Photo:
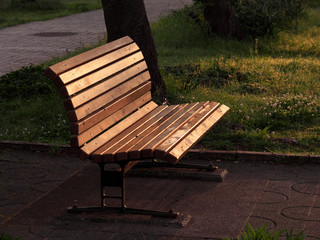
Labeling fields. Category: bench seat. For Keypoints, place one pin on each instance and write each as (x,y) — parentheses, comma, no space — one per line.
(164,132)
(107,95)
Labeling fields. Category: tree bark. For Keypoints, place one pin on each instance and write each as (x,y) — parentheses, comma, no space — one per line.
(221,18)
(129,18)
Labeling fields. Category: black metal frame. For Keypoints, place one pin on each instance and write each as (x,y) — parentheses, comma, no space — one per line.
(117,179)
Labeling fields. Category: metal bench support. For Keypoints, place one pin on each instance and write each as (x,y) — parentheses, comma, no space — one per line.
(118,179)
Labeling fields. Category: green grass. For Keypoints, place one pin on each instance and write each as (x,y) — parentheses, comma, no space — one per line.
(271,85)
(14,16)
(4,236)
(263,233)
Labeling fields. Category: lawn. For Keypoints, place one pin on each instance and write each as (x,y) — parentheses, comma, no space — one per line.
(271,85)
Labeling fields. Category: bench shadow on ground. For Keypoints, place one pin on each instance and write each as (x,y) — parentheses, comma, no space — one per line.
(150,193)
(280,196)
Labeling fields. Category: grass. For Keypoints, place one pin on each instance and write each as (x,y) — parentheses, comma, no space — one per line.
(10,16)
(4,236)
(264,234)
(271,85)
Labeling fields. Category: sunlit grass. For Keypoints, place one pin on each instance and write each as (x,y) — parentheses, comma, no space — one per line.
(251,77)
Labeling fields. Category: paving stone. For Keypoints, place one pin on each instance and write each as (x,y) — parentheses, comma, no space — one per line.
(251,192)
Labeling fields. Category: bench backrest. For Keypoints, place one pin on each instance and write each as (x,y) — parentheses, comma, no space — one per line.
(101,87)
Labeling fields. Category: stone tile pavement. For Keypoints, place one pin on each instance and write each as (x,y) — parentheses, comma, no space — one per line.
(36,188)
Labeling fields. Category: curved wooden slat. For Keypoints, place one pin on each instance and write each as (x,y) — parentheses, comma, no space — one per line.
(90,107)
(80,139)
(131,151)
(98,142)
(138,131)
(103,75)
(180,132)
(59,68)
(106,151)
(174,155)
(109,109)
(189,117)
(95,64)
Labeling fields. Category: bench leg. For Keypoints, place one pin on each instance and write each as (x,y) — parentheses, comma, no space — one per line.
(117,179)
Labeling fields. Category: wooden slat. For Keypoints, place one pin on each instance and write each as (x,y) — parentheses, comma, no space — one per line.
(131,132)
(181,132)
(189,141)
(79,140)
(106,111)
(137,143)
(162,133)
(88,108)
(93,92)
(75,61)
(192,116)
(104,73)
(95,64)
(131,135)
(112,132)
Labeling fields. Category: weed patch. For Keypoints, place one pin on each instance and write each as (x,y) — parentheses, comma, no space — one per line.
(264,234)
(38,119)
(25,83)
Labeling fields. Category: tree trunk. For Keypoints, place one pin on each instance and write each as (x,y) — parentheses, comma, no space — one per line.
(129,18)
(221,18)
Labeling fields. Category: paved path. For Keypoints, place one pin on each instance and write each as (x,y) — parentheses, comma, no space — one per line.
(36,42)
(36,189)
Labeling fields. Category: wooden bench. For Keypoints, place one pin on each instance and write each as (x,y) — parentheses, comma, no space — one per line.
(113,118)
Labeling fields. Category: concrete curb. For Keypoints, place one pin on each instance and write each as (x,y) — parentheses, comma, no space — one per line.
(254,156)
(38,147)
(193,153)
